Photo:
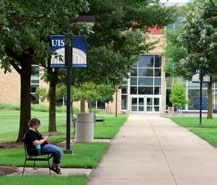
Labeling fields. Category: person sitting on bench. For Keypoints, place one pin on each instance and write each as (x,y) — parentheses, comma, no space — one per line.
(33,137)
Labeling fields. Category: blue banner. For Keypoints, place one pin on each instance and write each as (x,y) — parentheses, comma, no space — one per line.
(58,51)
(79,51)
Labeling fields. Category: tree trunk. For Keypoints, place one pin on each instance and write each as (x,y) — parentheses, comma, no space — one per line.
(25,96)
(210,104)
(52,101)
(82,106)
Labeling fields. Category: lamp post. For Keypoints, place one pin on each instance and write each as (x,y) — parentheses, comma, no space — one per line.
(68,62)
(68,65)
(201,83)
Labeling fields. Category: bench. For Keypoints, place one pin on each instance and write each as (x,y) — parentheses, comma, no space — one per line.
(30,156)
(99,119)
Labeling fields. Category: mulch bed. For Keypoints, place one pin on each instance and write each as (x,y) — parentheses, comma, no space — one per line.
(7,170)
(11,145)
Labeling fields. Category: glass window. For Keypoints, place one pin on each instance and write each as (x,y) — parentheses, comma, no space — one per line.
(100,105)
(157,72)
(194,96)
(145,72)
(145,81)
(156,108)
(149,101)
(141,101)
(141,108)
(134,72)
(157,61)
(124,90)
(33,89)
(156,101)
(35,70)
(146,61)
(157,90)
(34,100)
(157,81)
(133,81)
(134,108)
(141,90)
(149,90)
(134,101)
(124,102)
(133,90)
(97,105)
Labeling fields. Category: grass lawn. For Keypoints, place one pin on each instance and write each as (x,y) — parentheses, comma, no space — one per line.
(87,155)
(207,130)
(9,124)
(44,180)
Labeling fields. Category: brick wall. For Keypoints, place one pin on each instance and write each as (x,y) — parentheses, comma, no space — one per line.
(9,87)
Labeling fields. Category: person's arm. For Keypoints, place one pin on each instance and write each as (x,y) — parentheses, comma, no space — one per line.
(41,141)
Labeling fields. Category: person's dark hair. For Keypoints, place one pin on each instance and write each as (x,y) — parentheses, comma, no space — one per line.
(34,121)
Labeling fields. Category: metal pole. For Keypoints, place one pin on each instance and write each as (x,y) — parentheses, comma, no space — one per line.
(201,83)
(68,62)
(116,103)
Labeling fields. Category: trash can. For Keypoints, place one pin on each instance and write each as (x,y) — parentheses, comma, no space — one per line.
(84,127)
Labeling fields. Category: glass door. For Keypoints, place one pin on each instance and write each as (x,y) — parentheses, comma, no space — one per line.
(142,104)
(149,104)
(138,104)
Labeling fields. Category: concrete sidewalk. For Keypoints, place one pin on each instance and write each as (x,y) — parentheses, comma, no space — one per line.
(155,151)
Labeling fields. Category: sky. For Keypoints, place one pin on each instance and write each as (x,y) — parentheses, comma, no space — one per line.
(174,1)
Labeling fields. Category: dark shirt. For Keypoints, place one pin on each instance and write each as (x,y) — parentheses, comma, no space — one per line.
(31,136)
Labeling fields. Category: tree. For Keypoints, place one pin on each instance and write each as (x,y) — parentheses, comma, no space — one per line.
(178,96)
(91,92)
(26,27)
(117,41)
(174,52)
(119,38)
(197,42)
(88,92)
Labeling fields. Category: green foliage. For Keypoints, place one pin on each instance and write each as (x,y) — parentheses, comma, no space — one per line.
(193,46)
(112,49)
(178,96)
(26,28)
(31,34)
(198,36)
(41,94)
(119,38)
(174,52)
(9,107)
(35,180)
(93,92)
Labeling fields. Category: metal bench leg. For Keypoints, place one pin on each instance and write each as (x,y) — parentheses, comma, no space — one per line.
(49,167)
(24,166)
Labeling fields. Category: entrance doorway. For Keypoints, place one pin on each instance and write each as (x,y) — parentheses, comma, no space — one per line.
(145,104)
